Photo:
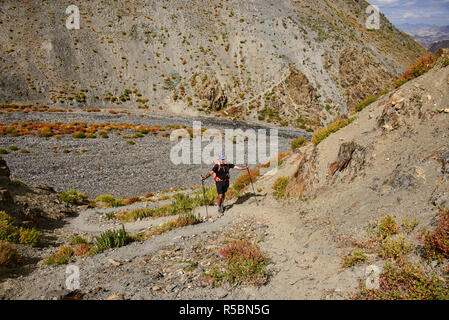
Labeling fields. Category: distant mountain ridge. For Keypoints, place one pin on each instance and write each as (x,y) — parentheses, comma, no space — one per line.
(426,34)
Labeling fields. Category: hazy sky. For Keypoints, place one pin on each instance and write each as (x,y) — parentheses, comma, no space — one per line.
(415,11)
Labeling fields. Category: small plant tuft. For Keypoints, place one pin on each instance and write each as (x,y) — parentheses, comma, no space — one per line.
(62,256)
(73,197)
(9,257)
(279,187)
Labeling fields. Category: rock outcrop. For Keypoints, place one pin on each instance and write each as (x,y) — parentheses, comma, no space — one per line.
(30,202)
(209,89)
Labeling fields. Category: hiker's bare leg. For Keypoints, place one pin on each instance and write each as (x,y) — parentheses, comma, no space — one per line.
(219,199)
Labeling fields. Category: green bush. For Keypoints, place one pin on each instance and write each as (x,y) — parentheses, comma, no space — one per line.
(355,257)
(3,151)
(13,148)
(29,236)
(297,143)
(9,232)
(386,226)
(6,217)
(395,248)
(78,135)
(408,225)
(106,198)
(73,197)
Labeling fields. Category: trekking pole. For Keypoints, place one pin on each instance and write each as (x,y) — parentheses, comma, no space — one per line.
(254,191)
(204,195)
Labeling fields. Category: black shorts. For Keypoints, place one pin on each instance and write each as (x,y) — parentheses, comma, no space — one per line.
(222,186)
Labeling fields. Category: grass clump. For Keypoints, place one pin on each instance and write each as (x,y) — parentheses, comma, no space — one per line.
(112,239)
(13,148)
(182,204)
(436,242)
(129,201)
(75,240)
(244,263)
(109,200)
(323,133)
(366,102)
(279,187)
(62,256)
(297,143)
(182,221)
(109,215)
(9,257)
(356,256)
(3,151)
(73,197)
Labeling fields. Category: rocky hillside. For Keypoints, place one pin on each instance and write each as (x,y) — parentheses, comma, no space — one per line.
(289,62)
(386,172)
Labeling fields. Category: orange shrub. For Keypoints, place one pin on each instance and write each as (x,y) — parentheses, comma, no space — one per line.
(424,64)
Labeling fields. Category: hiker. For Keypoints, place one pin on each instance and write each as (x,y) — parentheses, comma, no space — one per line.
(221,177)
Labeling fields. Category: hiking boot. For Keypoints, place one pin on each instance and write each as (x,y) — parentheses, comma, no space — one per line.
(220,211)
(222,208)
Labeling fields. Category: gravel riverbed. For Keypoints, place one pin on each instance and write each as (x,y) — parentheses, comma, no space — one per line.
(113,166)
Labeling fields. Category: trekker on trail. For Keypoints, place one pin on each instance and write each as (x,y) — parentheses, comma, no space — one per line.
(221,177)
